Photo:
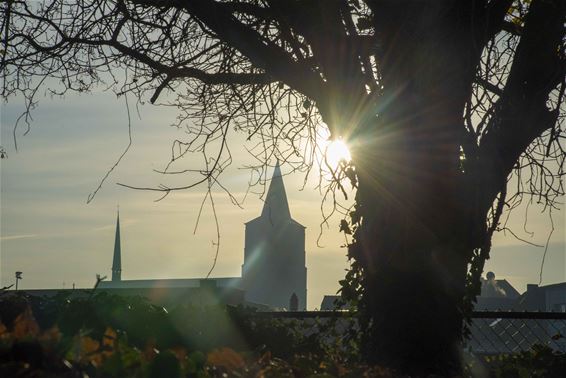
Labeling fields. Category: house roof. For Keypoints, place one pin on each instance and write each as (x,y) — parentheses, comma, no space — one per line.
(493,288)
(234,282)
(332,302)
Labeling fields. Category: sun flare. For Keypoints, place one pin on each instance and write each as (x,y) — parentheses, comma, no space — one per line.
(336,151)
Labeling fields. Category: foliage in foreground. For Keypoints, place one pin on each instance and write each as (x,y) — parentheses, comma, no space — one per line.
(441,103)
(540,361)
(105,335)
(111,336)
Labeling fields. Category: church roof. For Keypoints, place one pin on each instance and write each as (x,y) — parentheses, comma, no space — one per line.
(276,206)
(234,282)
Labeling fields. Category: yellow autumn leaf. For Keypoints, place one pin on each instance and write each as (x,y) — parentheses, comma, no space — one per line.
(108,342)
(179,352)
(4,333)
(90,350)
(25,325)
(109,337)
(50,336)
(225,357)
(88,345)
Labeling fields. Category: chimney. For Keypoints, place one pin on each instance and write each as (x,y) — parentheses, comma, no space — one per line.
(294,303)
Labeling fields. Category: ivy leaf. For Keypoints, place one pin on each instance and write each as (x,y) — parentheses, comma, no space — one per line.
(364,23)
(345,227)
(355,217)
(351,175)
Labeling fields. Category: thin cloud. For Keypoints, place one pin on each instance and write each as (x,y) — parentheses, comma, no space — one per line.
(16,237)
(112,226)
(104,228)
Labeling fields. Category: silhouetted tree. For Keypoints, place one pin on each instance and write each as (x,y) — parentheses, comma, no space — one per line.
(439,101)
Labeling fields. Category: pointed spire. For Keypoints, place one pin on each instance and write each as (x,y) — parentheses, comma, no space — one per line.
(276,207)
(117,261)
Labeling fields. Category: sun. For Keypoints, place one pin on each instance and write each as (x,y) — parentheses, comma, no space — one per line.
(335,152)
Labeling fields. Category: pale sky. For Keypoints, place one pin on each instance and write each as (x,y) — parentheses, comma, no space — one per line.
(49,232)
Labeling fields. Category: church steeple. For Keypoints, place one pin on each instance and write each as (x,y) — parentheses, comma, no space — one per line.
(274,254)
(276,207)
(117,260)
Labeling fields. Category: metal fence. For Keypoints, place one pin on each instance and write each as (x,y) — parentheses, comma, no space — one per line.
(495,332)
(491,332)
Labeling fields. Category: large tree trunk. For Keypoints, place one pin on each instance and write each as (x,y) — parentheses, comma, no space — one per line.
(413,246)
(422,215)
(414,285)
(418,230)
(417,234)
(414,240)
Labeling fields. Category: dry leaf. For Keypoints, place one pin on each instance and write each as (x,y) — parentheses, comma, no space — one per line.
(50,336)
(179,352)
(109,342)
(150,351)
(89,350)
(227,358)
(25,325)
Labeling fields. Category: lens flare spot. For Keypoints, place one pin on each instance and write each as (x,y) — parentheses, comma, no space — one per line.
(337,151)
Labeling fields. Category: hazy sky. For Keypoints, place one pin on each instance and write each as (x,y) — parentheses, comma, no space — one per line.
(49,232)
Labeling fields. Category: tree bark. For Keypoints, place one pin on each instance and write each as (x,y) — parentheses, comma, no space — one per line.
(413,244)
(423,216)
(415,239)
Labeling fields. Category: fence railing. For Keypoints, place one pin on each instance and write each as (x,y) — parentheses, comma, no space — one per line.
(491,332)
(494,332)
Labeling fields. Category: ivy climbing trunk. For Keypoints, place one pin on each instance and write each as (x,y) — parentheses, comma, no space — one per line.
(422,218)
(416,234)
(414,258)
(414,241)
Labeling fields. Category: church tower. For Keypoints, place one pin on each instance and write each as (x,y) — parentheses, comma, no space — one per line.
(274,256)
(117,260)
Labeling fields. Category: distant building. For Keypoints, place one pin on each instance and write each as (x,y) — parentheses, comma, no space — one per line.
(543,298)
(501,295)
(274,255)
(499,335)
(496,294)
(166,293)
(117,258)
(273,272)
(332,302)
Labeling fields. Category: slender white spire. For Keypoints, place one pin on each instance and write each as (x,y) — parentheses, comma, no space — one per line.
(117,260)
